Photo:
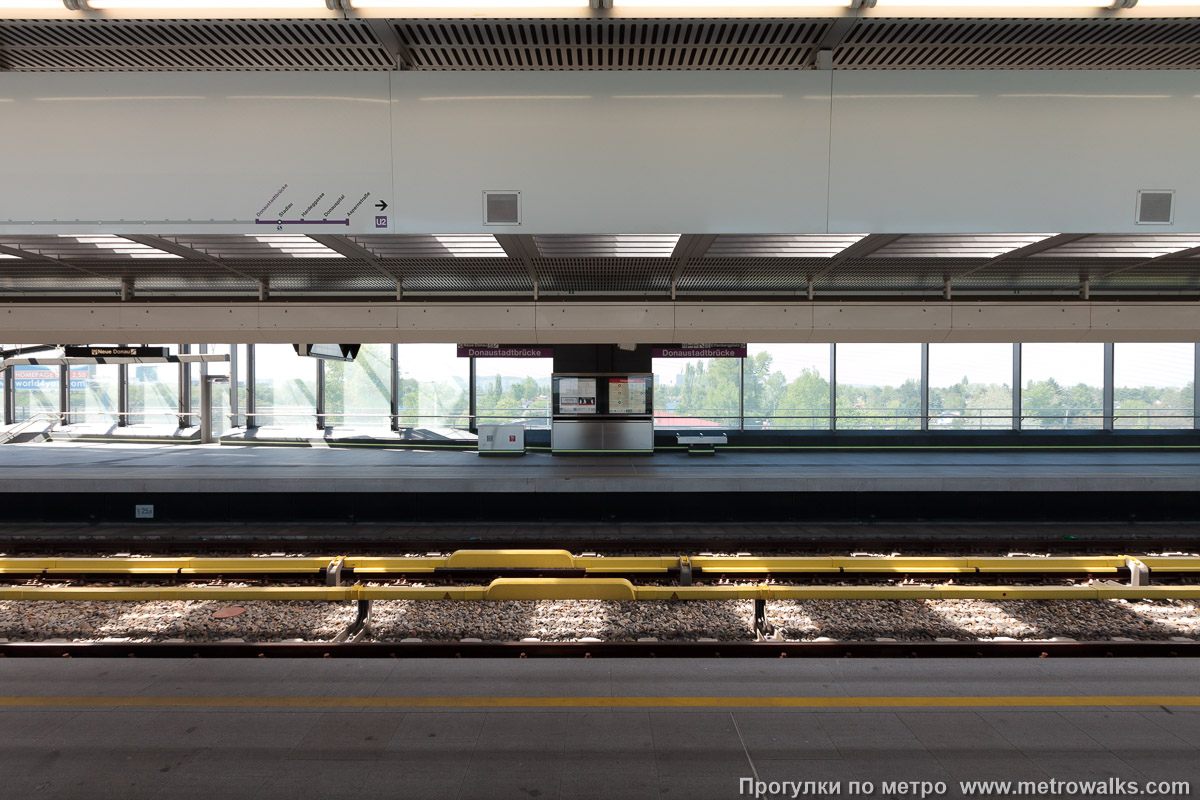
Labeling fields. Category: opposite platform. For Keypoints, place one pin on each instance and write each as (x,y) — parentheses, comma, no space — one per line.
(125,467)
(374,729)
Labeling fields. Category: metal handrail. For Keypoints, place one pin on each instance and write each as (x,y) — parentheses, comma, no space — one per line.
(20,427)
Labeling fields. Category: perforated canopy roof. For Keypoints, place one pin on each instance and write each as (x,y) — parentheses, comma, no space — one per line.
(484,265)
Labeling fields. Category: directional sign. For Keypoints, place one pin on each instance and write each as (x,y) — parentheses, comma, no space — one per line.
(88,351)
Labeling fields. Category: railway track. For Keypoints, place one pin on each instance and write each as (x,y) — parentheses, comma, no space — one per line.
(370,539)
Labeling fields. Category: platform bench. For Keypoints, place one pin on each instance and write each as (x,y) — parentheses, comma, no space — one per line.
(701,443)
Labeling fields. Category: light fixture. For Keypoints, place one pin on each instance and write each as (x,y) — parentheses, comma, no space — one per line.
(194,5)
(356,4)
(973,4)
(744,4)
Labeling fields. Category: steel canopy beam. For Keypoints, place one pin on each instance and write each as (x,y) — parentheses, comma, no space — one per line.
(691,246)
(1178,254)
(35,257)
(176,249)
(523,248)
(1028,250)
(349,248)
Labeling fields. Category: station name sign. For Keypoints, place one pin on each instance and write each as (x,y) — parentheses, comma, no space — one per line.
(504,351)
(88,351)
(699,351)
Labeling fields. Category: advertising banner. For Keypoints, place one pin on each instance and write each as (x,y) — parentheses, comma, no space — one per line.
(45,379)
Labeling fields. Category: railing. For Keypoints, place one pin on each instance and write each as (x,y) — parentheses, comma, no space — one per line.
(1153,418)
(999,418)
(53,417)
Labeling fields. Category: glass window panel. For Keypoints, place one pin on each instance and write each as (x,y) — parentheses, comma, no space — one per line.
(285,386)
(970,386)
(154,392)
(1153,385)
(513,390)
(93,391)
(696,392)
(1063,385)
(879,386)
(358,393)
(35,391)
(787,387)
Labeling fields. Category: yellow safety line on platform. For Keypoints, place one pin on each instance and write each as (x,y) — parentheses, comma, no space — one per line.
(603,702)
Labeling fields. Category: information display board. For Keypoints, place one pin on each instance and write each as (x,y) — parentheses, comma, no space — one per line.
(627,395)
(603,395)
(575,396)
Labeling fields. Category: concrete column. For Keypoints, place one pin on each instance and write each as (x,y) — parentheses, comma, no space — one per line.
(321,393)
(206,415)
(1016,387)
(394,406)
(9,394)
(832,387)
(741,394)
(1107,391)
(925,385)
(64,393)
(251,403)
(472,400)
(185,389)
(234,422)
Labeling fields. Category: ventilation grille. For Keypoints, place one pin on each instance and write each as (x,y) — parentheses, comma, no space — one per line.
(634,45)
(1155,208)
(1021,44)
(546,44)
(501,208)
(189,45)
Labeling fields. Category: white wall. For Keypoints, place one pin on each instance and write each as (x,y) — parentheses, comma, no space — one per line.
(671,152)
(190,152)
(624,152)
(1058,152)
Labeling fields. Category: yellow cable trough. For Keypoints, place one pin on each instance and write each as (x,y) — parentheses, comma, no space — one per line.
(598,589)
(592,565)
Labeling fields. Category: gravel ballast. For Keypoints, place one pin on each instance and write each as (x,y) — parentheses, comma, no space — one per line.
(566,620)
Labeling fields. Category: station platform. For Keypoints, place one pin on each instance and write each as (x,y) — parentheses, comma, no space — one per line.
(104,467)
(101,480)
(551,729)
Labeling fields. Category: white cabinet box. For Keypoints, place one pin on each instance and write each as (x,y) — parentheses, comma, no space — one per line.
(507,439)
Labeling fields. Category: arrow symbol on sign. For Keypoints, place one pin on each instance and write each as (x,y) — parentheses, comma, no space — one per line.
(381,205)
